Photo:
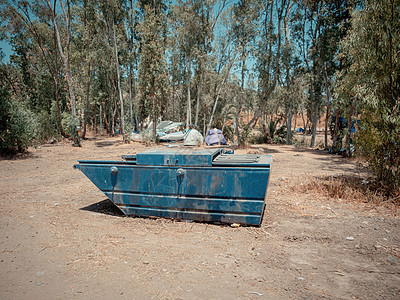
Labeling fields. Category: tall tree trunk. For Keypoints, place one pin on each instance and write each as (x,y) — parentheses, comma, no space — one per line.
(56,89)
(107,122)
(304,121)
(315,114)
(85,116)
(87,95)
(189,109)
(119,83)
(112,89)
(335,132)
(289,113)
(113,121)
(349,126)
(130,22)
(289,126)
(328,104)
(173,101)
(130,95)
(95,117)
(222,130)
(314,125)
(204,119)
(137,123)
(239,110)
(66,59)
(198,97)
(154,118)
(100,116)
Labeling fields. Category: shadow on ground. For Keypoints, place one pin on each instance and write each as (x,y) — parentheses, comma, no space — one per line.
(18,156)
(263,149)
(106,143)
(104,207)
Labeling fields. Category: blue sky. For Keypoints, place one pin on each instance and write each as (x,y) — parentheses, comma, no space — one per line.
(6,49)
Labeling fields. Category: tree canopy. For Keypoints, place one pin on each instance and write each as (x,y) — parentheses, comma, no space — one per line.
(251,67)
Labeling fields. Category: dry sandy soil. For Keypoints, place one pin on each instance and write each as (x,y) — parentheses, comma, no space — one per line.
(60,238)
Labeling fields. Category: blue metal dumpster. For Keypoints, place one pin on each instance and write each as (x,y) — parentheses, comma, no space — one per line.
(209,185)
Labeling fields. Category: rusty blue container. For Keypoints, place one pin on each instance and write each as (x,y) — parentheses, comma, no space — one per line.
(210,185)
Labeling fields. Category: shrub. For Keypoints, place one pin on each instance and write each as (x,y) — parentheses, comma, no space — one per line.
(16,125)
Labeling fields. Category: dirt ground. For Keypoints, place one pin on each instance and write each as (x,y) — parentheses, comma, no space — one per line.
(60,238)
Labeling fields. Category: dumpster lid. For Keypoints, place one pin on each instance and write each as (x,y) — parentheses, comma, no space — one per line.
(243,160)
(177,157)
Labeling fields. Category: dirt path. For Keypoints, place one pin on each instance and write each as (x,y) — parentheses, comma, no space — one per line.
(61,239)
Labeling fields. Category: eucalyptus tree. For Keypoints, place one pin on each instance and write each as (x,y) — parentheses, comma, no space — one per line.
(28,25)
(290,65)
(268,56)
(64,52)
(114,15)
(133,58)
(372,81)
(187,24)
(84,27)
(244,24)
(309,32)
(320,26)
(152,67)
(176,72)
(194,25)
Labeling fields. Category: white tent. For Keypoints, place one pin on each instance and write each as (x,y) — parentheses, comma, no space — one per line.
(193,138)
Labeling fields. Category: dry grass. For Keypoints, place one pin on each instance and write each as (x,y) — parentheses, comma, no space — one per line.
(347,188)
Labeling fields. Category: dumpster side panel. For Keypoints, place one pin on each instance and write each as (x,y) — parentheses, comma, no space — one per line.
(196,216)
(213,194)
(241,183)
(186,202)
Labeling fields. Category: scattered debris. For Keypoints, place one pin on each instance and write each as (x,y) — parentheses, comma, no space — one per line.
(393,259)
(256,293)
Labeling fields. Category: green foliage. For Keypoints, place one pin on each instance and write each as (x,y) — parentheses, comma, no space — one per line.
(275,134)
(174,56)
(300,141)
(380,146)
(280,135)
(45,127)
(73,126)
(372,50)
(16,125)
(152,68)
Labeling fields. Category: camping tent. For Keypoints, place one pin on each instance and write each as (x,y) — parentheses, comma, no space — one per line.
(193,138)
(214,136)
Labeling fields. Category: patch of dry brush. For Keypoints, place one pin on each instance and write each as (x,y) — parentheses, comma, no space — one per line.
(347,188)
